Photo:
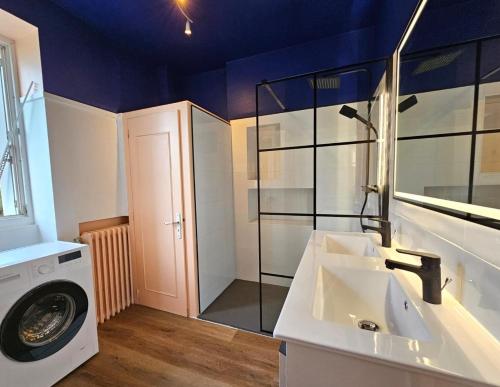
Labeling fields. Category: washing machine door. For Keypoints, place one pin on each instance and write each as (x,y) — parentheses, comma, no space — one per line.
(43,321)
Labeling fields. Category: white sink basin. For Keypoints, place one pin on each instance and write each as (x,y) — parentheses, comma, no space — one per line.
(350,245)
(347,296)
(341,281)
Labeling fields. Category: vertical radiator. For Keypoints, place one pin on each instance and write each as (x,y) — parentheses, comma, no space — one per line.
(112,269)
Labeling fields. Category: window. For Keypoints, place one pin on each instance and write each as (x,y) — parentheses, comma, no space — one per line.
(13,189)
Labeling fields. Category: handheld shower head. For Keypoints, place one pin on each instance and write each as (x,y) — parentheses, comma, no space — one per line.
(408,103)
(348,111)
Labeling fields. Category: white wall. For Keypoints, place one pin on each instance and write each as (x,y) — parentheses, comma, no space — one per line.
(75,153)
(40,174)
(469,254)
(214,205)
(88,170)
(25,37)
(18,236)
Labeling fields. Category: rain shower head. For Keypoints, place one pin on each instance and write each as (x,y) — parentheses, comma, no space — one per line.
(348,111)
(325,83)
(437,62)
(408,103)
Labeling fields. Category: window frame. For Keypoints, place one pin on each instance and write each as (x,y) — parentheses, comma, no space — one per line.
(20,163)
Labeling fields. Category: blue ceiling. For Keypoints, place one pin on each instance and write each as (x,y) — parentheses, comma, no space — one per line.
(442,51)
(445,22)
(223,30)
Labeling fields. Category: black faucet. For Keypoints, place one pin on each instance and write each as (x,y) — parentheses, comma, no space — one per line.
(429,273)
(384,230)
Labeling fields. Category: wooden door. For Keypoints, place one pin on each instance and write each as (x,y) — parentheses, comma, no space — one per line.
(156,187)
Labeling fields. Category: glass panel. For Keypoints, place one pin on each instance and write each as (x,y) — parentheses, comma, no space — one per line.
(287,180)
(436,167)
(490,64)
(334,127)
(486,190)
(436,91)
(7,178)
(489,90)
(489,106)
(46,320)
(439,111)
(213,175)
(283,241)
(353,88)
(274,292)
(341,174)
(294,127)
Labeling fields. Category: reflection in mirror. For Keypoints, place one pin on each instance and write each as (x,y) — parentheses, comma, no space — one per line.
(436,167)
(448,113)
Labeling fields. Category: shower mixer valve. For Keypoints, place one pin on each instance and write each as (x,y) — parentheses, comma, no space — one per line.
(370,188)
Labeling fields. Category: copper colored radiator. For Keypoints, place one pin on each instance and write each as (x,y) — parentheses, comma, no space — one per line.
(110,249)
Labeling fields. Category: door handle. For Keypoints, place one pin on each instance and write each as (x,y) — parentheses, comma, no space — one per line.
(178,222)
(169,223)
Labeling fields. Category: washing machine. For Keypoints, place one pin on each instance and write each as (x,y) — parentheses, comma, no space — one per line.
(47,313)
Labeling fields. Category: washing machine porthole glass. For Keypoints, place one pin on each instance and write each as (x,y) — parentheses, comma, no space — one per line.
(43,321)
(47,319)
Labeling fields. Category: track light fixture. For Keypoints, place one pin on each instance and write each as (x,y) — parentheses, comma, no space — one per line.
(187,30)
(189,21)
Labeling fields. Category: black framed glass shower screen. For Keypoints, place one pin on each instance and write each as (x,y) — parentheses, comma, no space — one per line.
(310,165)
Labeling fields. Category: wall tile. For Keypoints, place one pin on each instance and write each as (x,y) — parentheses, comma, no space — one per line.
(469,254)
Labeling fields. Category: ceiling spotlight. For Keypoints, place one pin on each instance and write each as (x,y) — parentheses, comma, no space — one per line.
(189,21)
(187,30)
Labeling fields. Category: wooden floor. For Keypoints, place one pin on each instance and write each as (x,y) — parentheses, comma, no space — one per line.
(146,347)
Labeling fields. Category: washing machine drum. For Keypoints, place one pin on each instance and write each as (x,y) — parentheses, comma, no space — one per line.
(43,321)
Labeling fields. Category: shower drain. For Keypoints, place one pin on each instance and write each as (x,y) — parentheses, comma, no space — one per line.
(368,325)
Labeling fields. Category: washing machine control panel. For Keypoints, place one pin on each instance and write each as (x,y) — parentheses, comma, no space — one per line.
(43,267)
(49,265)
(74,255)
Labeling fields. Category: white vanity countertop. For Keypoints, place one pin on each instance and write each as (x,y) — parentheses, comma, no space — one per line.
(460,346)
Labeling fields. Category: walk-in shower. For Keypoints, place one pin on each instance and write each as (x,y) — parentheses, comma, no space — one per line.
(318,167)
(302,164)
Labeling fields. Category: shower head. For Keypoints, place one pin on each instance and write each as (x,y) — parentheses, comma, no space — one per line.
(325,83)
(408,103)
(437,62)
(348,111)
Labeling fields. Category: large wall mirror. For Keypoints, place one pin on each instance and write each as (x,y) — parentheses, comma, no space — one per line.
(448,113)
